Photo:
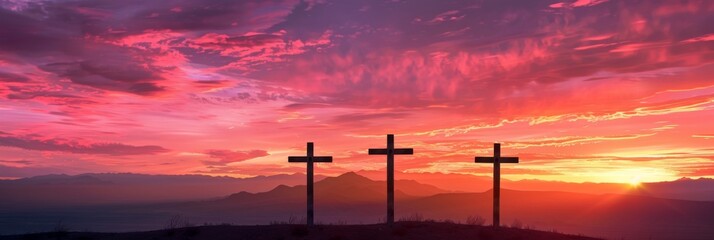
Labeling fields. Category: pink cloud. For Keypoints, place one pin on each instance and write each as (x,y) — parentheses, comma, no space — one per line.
(634,47)
(558,5)
(705,38)
(595,46)
(255,49)
(578,3)
(685,7)
(588,3)
(452,15)
(227,156)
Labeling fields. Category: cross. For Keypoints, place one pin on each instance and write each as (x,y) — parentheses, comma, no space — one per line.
(310,159)
(496,160)
(390,151)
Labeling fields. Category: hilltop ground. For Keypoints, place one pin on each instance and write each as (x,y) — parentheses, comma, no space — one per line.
(401,230)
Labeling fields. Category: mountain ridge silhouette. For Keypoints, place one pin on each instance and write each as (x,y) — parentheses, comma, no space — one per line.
(598,215)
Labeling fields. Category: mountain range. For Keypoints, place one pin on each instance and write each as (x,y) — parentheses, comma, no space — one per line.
(700,189)
(61,190)
(352,198)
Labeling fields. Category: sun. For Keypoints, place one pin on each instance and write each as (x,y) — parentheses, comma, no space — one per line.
(634,182)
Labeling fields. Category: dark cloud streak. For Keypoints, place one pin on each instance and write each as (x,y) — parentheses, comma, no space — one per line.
(11,77)
(62,145)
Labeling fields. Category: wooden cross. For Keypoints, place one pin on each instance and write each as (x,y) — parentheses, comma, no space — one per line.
(496,160)
(390,151)
(310,159)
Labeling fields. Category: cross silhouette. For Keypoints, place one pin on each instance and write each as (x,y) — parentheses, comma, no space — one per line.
(310,159)
(496,160)
(390,151)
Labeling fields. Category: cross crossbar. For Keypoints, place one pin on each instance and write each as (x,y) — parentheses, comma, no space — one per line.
(500,159)
(314,159)
(397,151)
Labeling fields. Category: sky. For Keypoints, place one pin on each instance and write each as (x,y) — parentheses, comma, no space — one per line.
(580,91)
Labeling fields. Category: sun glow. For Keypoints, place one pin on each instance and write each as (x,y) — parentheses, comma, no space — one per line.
(636,175)
(635,182)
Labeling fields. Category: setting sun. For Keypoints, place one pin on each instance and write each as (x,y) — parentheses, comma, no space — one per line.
(635,182)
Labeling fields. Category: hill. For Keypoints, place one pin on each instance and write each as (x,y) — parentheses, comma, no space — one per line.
(612,216)
(401,230)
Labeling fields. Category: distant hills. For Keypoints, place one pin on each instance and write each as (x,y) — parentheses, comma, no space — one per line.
(701,189)
(352,198)
(122,188)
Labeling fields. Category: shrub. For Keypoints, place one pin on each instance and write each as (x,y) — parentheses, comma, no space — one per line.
(177,221)
(475,220)
(292,220)
(517,224)
(416,217)
(297,220)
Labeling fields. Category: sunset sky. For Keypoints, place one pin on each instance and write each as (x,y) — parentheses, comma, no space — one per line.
(586,90)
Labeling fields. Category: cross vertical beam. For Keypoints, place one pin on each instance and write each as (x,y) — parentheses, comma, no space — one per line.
(496,160)
(390,178)
(496,184)
(390,151)
(310,185)
(310,159)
